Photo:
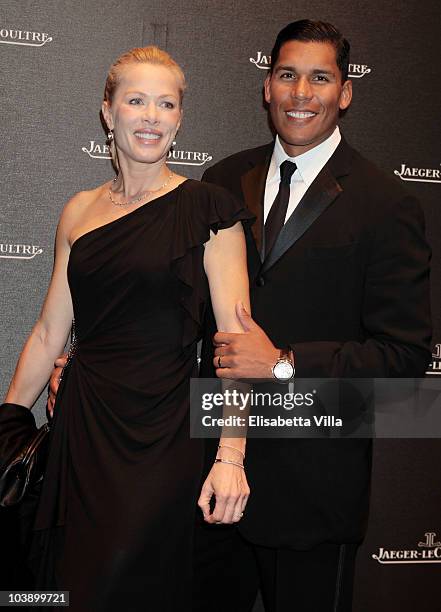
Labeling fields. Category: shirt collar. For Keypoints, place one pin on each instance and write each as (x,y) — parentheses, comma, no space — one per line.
(308,164)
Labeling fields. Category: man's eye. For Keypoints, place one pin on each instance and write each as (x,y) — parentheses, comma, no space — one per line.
(287,75)
(135,101)
(321,78)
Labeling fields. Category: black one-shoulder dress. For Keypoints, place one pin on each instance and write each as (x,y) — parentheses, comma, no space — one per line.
(115,518)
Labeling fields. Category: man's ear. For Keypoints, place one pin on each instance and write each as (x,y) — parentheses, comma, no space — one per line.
(267,88)
(105,109)
(345,95)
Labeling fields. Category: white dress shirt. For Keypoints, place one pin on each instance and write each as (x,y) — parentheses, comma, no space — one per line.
(308,164)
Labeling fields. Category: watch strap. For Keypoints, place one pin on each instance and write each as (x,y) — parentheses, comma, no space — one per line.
(287,353)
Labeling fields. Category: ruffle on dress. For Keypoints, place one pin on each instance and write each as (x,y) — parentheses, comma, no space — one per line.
(201,207)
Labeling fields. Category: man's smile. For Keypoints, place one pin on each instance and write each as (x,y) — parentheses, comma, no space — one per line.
(301,114)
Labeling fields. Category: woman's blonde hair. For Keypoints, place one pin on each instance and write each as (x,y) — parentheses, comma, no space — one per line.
(140,55)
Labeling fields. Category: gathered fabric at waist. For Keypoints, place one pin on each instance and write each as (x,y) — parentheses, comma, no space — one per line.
(144,353)
(163,327)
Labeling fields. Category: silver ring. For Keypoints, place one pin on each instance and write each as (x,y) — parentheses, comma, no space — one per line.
(219,364)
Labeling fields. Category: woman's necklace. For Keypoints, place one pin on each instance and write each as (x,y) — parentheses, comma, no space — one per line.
(149,192)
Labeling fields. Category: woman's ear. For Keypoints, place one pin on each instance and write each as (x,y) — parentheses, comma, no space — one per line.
(105,109)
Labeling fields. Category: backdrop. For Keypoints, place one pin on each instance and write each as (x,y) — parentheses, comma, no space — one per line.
(54,58)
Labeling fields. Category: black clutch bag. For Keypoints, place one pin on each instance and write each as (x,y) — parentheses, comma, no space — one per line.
(23,453)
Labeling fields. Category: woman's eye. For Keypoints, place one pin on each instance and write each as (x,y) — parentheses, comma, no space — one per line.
(167,104)
(135,101)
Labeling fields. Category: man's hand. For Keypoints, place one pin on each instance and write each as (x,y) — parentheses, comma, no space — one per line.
(54,383)
(244,356)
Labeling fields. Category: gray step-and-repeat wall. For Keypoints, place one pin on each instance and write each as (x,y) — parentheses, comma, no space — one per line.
(54,57)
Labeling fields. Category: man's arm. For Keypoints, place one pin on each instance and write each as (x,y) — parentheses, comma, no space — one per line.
(394,315)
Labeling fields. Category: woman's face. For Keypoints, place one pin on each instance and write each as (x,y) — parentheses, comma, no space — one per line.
(145,112)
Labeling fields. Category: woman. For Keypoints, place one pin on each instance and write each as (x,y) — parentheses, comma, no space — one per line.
(134,260)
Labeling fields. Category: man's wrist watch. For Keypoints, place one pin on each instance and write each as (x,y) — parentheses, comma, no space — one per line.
(283,370)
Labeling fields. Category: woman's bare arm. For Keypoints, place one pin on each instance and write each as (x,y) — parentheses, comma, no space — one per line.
(50,332)
(226,268)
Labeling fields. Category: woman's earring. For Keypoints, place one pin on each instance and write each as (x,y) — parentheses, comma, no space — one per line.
(110,135)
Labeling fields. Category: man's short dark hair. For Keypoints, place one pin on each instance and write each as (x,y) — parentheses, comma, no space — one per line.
(306,30)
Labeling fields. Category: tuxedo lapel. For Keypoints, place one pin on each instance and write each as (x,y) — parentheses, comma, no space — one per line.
(253,189)
(321,193)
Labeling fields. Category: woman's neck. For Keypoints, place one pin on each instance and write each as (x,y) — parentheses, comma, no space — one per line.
(134,180)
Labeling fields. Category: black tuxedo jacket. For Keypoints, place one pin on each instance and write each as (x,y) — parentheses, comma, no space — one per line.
(347,286)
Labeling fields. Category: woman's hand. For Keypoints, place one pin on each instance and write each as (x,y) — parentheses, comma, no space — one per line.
(229,485)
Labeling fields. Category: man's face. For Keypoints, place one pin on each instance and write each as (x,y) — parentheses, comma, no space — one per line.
(305,94)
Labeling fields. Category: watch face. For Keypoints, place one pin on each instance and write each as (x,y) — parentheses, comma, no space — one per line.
(283,370)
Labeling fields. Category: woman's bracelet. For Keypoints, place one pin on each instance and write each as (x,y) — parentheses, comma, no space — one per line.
(229,462)
(233,447)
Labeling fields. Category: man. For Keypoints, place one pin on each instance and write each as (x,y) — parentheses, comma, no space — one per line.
(339,279)
(339,275)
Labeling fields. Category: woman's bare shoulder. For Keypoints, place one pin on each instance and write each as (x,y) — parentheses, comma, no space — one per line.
(83,199)
(78,206)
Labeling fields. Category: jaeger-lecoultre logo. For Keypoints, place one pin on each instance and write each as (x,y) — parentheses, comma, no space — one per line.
(28,38)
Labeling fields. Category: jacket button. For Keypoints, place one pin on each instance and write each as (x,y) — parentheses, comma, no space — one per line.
(260,281)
